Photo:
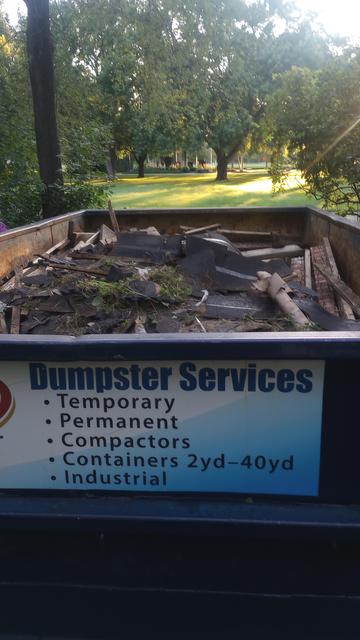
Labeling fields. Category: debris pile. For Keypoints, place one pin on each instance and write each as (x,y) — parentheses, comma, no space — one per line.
(206,279)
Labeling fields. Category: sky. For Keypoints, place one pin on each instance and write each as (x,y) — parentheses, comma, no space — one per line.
(338,18)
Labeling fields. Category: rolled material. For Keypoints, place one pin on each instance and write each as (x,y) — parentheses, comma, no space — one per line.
(279,291)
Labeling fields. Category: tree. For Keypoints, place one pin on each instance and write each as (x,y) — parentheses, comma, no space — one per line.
(17,145)
(85,134)
(40,56)
(227,75)
(315,116)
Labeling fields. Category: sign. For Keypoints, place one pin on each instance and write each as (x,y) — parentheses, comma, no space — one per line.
(193,426)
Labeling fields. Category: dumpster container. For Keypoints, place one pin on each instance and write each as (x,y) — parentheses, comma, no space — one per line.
(178,485)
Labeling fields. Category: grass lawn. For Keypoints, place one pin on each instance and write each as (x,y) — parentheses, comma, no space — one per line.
(200,190)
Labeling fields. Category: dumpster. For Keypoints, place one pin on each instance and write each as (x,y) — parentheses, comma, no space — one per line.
(181,484)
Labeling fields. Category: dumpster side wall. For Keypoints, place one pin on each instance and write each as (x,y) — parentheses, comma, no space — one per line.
(19,245)
(344,238)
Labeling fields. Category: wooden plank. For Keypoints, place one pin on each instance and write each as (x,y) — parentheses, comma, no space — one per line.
(56,247)
(290,251)
(209,227)
(107,236)
(113,218)
(139,325)
(307,268)
(3,327)
(234,235)
(80,245)
(93,238)
(344,307)
(15,320)
(85,239)
(341,288)
(69,267)
(325,291)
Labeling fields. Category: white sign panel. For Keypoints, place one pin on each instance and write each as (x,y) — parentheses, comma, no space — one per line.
(191,426)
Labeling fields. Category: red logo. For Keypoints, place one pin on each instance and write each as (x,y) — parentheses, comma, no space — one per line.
(7,404)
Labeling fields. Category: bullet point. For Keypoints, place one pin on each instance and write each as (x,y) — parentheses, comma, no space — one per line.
(48,421)
(53,477)
(50,440)
(46,401)
(52,459)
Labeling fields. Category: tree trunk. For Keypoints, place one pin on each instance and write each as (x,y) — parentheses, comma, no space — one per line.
(113,160)
(222,162)
(41,69)
(141,165)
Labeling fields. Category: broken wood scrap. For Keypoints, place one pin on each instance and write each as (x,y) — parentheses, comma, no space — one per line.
(307,269)
(289,251)
(151,231)
(203,330)
(297,267)
(14,281)
(93,239)
(3,325)
(139,325)
(15,320)
(114,222)
(344,307)
(322,286)
(235,326)
(279,291)
(79,245)
(107,235)
(85,240)
(194,231)
(241,236)
(341,288)
(69,267)
(56,247)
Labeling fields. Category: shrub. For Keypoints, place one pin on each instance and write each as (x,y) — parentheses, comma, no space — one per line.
(21,203)
(78,195)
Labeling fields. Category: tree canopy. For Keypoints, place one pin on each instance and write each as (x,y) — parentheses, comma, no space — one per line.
(145,78)
(315,116)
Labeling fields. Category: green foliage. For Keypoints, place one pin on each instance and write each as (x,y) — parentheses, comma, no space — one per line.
(172,284)
(20,203)
(315,116)
(17,139)
(107,295)
(112,295)
(147,77)
(78,195)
